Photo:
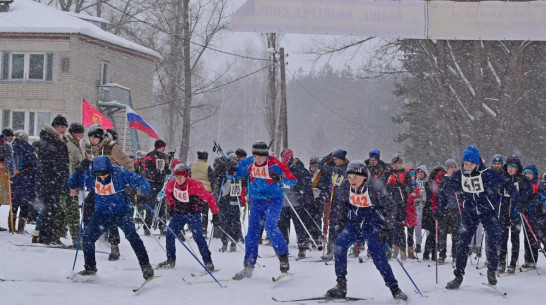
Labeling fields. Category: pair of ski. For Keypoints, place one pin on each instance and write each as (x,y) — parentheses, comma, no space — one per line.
(502,293)
(321,298)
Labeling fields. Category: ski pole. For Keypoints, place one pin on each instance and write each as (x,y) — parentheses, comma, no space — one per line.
(301,221)
(401,265)
(12,223)
(360,260)
(241,247)
(436,250)
(311,217)
(327,224)
(78,244)
(184,244)
(144,222)
(533,232)
(529,244)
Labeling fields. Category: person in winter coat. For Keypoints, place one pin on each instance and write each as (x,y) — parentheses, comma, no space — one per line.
(203,172)
(421,179)
(399,185)
(52,174)
(183,196)
(429,221)
(411,213)
(231,193)
(102,142)
(69,211)
(478,187)
(451,220)
(157,170)
(23,182)
(267,176)
(532,219)
(296,199)
(318,210)
(7,170)
(333,165)
(510,222)
(112,208)
(369,216)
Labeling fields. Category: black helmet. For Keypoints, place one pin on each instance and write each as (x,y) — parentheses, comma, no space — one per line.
(260,148)
(357,167)
(113,133)
(75,128)
(241,153)
(96,131)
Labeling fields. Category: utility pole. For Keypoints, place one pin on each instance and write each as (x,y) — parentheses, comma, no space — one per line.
(271,98)
(283,117)
(186,120)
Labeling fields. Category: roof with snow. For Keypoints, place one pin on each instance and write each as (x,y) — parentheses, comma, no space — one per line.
(25,16)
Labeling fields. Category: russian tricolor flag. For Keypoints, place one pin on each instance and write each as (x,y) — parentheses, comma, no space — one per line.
(136,122)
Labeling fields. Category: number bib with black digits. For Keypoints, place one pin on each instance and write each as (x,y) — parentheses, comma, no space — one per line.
(235,189)
(472,185)
(160,164)
(260,172)
(104,190)
(180,195)
(360,200)
(337,179)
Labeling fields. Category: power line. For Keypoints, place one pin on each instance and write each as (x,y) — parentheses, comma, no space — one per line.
(178,36)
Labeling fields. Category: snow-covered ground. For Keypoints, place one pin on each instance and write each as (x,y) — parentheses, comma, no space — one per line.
(40,276)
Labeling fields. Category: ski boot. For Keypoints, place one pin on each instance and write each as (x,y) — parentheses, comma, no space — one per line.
(301,253)
(528,265)
(491,277)
(114,253)
(233,247)
(339,291)
(455,283)
(88,271)
(328,256)
(224,247)
(284,264)
(168,264)
(246,272)
(147,270)
(411,253)
(501,268)
(510,269)
(210,266)
(418,248)
(397,294)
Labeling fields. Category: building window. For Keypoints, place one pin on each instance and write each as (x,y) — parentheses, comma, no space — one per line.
(27,66)
(17,119)
(104,73)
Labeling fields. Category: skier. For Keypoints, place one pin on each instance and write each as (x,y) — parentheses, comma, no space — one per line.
(268,176)
(369,217)
(203,172)
(478,187)
(112,208)
(451,220)
(156,170)
(184,195)
(534,214)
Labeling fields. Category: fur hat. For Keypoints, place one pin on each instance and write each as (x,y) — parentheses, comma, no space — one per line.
(202,155)
(21,135)
(59,120)
(397,158)
(260,148)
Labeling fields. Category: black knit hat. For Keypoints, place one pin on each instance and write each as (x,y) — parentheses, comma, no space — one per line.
(159,144)
(8,132)
(260,148)
(59,120)
(241,153)
(202,155)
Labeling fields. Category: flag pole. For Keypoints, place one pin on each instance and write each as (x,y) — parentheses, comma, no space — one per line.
(125,130)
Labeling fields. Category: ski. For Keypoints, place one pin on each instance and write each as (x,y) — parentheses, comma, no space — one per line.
(206,282)
(9,280)
(203,273)
(51,247)
(322,298)
(495,289)
(136,290)
(523,269)
(78,278)
(280,277)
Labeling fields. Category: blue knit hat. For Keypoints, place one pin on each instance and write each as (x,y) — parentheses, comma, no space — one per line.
(471,154)
(497,158)
(374,154)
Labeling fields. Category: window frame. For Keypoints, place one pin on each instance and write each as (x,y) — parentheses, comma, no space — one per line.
(27,121)
(8,62)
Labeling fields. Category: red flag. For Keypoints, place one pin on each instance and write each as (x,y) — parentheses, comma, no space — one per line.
(92,116)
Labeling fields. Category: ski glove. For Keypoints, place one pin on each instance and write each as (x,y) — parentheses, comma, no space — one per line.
(215,220)
(275,177)
(82,166)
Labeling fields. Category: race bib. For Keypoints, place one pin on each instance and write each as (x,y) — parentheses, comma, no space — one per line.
(160,164)
(235,189)
(181,196)
(360,200)
(104,190)
(506,194)
(260,172)
(337,179)
(472,185)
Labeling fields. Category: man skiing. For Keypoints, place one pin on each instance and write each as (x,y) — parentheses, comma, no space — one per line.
(369,217)
(268,176)
(112,208)
(478,187)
